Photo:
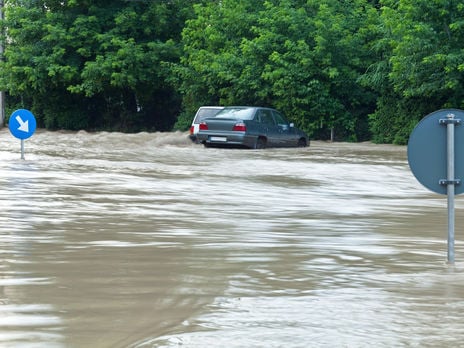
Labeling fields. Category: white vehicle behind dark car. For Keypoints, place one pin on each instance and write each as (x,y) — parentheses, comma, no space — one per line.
(202,113)
(250,127)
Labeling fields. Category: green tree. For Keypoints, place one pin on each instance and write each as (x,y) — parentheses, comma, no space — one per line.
(314,68)
(94,64)
(212,62)
(422,64)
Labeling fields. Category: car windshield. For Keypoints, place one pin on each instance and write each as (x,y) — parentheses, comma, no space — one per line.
(239,113)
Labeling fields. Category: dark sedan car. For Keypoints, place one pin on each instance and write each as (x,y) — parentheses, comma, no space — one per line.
(250,127)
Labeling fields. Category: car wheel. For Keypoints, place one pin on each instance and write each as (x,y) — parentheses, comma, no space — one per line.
(302,142)
(260,143)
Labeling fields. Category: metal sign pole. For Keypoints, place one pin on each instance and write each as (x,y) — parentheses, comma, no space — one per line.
(22,149)
(450,188)
(450,181)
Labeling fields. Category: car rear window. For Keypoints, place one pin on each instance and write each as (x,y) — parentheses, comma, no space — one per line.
(205,113)
(240,113)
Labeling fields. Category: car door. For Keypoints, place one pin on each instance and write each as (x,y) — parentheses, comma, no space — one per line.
(285,134)
(269,126)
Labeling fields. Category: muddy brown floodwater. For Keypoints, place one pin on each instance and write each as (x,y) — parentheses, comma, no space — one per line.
(147,240)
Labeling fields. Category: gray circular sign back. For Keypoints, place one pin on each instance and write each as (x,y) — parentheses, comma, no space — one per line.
(427,151)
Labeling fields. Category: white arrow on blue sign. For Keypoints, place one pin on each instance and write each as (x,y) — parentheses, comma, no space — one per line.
(22,124)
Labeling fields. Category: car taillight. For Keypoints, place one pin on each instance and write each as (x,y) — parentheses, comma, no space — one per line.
(192,129)
(203,126)
(239,127)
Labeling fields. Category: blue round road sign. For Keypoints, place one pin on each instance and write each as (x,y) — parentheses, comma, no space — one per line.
(427,151)
(22,124)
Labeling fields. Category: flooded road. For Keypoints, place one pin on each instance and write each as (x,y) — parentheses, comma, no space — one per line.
(147,240)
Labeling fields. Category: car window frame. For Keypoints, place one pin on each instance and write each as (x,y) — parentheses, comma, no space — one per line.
(277,115)
(267,117)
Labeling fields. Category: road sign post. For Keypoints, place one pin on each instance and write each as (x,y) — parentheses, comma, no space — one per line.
(22,125)
(450,121)
(436,158)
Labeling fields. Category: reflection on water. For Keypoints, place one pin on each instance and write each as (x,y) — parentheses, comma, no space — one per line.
(147,240)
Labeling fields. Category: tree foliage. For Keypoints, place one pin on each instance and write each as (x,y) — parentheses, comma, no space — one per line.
(421,66)
(94,64)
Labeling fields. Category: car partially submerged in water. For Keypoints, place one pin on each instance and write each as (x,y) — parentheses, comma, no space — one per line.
(250,127)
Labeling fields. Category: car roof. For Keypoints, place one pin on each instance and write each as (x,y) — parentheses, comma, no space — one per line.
(211,107)
(247,107)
